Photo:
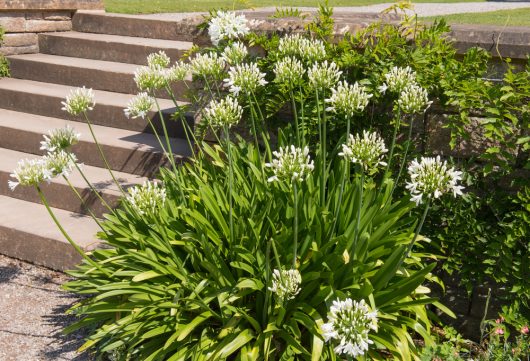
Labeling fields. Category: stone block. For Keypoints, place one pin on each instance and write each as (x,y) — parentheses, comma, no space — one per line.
(34,15)
(58,15)
(20,39)
(16,50)
(47,26)
(13,22)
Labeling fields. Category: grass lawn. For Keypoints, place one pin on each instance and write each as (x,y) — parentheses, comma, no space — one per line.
(160,6)
(516,17)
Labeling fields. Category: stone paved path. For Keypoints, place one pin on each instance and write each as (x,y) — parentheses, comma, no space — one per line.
(33,314)
(426,9)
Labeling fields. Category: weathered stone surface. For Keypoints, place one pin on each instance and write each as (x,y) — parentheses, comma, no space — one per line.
(13,22)
(51,4)
(20,39)
(47,26)
(16,50)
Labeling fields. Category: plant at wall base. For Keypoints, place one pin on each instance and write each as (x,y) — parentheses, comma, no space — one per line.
(4,65)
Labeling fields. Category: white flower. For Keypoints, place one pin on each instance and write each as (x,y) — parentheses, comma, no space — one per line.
(224,112)
(291,164)
(244,78)
(323,75)
(398,78)
(430,177)
(208,64)
(148,198)
(367,151)
(309,50)
(413,99)
(158,60)
(289,72)
(79,100)
(235,53)
(226,26)
(348,99)
(149,78)
(30,172)
(178,71)
(349,324)
(139,106)
(60,163)
(286,283)
(59,139)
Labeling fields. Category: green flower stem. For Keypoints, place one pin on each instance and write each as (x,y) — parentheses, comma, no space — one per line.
(94,190)
(295,243)
(253,122)
(107,165)
(185,125)
(83,203)
(418,230)
(67,236)
(393,144)
(166,135)
(264,134)
(302,116)
(405,154)
(358,221)
(230,184)
(295,113)
(322,153)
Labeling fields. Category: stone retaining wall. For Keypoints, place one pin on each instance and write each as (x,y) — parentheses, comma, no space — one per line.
(22,20)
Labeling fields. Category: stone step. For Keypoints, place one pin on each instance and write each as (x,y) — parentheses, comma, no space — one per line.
(126,151)
(45,99)
(58,192)
(77,72)
(139,26)
(122,49)
(28,232)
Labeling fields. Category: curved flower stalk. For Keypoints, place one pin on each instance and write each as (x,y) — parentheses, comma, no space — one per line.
(397,79)
(286,284)
(309,50)
(227,26)
(348,327)
(235,53)
(60,139)
(148,198)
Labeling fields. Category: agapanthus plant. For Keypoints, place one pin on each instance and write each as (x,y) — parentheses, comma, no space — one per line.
(60,139)
(79,101)
(227,26)
(244,78)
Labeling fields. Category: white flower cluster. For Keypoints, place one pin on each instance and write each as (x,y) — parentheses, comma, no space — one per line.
(60,139)
(149,78)
(227,26)
(398,78)
(244,78)
(148,198)
(324,75)
(207,65)
(430,177)
(224,112)
(139,106)
(348,99)
(235,53)
(309,50)
(413,99)
(158,60)
(289,72)
(349,323)
(286,283)
(291,164)
(30,172)
(367,151)
(78,101)
(59,163)
(177,72)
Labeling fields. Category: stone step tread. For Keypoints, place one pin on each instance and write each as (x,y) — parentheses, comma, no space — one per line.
(120,39)
(99,177)
(33,219)
(106,136)
(61,91)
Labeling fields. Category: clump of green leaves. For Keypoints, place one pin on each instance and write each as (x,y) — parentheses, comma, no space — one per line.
(4,65)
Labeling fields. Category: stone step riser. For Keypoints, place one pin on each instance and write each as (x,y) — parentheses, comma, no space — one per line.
(139,162)
(103,114)
(22,68)
(138,27)
(102,50)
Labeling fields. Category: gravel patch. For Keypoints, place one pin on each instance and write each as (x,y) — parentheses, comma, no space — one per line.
(33,314)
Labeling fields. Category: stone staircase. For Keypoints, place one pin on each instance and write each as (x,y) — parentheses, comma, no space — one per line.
(102,52)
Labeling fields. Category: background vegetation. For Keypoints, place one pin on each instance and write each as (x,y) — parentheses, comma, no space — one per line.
(4,66)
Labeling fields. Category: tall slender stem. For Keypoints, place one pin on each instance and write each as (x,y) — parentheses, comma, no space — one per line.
(166,135)
(83,203)
(253,122)
(107,165)
(358,221)
(393,144)
(295,243)
(185,125)
(66,235)
(346,165)
(405,154)
(230,184)
(295,113)
(418,230)
(322,153)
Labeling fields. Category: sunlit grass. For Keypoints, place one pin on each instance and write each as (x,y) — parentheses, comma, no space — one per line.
(515,17)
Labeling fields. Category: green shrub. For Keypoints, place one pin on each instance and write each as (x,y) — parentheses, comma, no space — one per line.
(4,65)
